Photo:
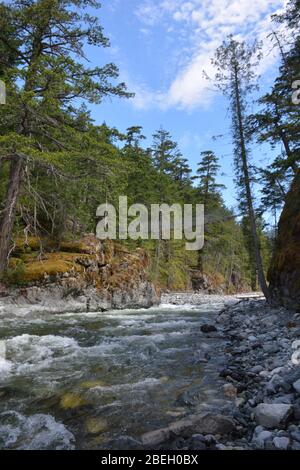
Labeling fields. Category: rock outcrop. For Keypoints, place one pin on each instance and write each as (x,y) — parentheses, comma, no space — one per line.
(284,274)
(85,275)
(215,283)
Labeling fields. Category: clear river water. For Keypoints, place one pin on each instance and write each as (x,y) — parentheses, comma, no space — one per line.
(84,381)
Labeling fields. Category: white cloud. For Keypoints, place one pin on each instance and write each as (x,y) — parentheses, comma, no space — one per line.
(149,13)
(144,97)
(206,23)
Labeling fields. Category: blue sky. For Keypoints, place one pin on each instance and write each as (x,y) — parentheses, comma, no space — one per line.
(161,48)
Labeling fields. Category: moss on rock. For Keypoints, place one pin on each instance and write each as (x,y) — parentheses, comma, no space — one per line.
(106,266)
(70,401)
(36,268)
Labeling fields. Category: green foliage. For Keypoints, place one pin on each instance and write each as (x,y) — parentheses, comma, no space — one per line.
(207,171)
(71,165)
(14,274)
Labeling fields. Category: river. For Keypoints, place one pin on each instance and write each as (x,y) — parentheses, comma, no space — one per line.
(84,381)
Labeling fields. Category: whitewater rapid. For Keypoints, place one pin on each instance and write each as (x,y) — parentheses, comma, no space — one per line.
(71,381)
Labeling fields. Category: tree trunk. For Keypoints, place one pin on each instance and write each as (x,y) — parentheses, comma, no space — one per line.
(9,211)
(200,261)
(169,257)
(288,151)
(200,253)
(258,258)
(158,251)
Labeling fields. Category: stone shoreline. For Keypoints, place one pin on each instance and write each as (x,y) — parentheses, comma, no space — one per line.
(260,385)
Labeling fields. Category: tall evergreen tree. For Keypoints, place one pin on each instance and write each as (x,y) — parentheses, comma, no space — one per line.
(208,190)
(235,78)
(275,183)
(44,79)
(207,171)
(278,119)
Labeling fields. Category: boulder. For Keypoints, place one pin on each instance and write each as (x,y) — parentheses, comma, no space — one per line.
(273,415)
(281,443)
(208,328)
(260,440)
(206,423)
(296,386)
(215,424)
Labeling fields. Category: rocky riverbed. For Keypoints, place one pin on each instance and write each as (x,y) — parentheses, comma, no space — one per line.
(260,358)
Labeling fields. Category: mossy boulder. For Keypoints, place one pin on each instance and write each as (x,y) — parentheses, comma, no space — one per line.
(36,268)
(27,245)
(70,401)
(108,267)
(284,274)
(96,425)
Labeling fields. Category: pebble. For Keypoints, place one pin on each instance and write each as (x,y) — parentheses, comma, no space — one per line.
(252,338)
(256,369)
(271,348)
(230,390)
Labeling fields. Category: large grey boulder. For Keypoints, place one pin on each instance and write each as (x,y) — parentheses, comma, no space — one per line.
(273,415)
(206,423)
(296,386)
(281,443)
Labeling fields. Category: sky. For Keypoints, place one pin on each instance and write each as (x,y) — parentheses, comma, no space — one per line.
(162,48)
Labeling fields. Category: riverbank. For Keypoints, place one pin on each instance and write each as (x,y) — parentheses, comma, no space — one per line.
(84,275)
(56,299)
(260,373)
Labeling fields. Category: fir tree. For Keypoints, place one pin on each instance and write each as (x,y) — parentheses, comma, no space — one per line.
(235,77)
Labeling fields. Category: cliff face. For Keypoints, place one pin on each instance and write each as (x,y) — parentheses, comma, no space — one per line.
(284,274)
(82,275)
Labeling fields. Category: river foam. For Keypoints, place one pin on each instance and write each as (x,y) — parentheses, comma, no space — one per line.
(41,432)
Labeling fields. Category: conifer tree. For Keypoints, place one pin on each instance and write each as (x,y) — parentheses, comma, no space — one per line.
(208,189)
(235,78)
(45,75)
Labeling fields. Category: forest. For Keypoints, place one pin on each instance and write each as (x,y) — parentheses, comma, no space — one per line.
(57,165)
